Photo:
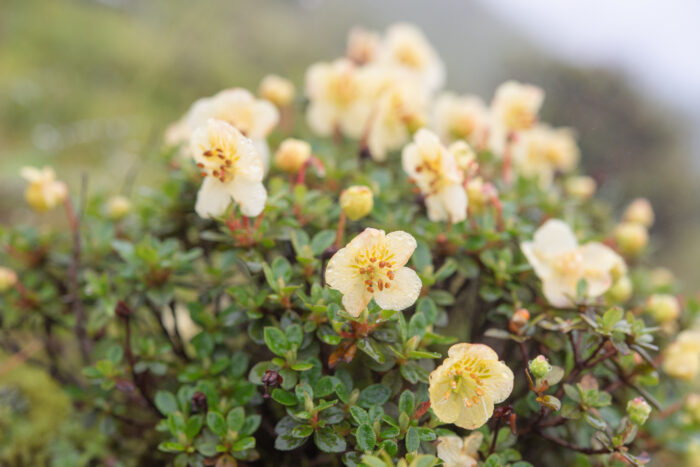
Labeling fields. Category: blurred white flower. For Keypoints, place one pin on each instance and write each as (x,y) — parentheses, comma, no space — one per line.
(363,46)
(436,173)
(276,89)
(515,106)
(232,168)
(541,151)
(461,117)
(404,46)
(339,98)
(44,192)
(460,452)
(560,262)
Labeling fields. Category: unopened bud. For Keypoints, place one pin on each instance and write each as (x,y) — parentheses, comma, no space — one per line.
(661,277)
(476,195)
(292,155)
(356,201)
(8,278)
(122,310)
(271,379)
(280,91)
(621,291)
(539,366)
(639,211)
(631,237)
(118,207)
(664,308)
(638,411)
(199,402)
(580,187)
(519,320)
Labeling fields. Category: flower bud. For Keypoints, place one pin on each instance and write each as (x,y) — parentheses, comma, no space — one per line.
(292,154)
(280,91)
(8,278)
(476,195)
(356,201)
(539,366)
(631,237)
(580,187)
(621,290)
(661,277)
(200,404)
(118,207)
(692,407)
(638,411)
(519,319)
(664,308)
(639,211)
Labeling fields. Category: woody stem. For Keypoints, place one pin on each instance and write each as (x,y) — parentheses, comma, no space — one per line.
(340,230)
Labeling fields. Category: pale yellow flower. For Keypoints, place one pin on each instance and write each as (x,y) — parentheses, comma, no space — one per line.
(292,155)
(232,167)
(541,151)
(363,46)
(400,110)
(682,356)
(580,187)
(464,155)
(476,194)
(639,211)
(461,117)
(255,118)
(118,207)
(464,389)
(560,262)
(276,89)
(515,106)
(459,452)
(436,173)
(405,47)
(339,98)
(356,201)
(44,192)
(8,278)
(372,265)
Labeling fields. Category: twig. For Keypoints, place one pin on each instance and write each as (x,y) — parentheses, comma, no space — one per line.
(572,446)
(73,271)
(180,352)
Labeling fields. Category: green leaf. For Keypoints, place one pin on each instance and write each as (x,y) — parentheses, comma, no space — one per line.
(328,440)
(166,402)
(412,439)
(417,325)
(375,394)
(321,241)
(365,437)
(235,419)
(244,443)
(302,431)
(287,442)
(216,423)
(284,397)
(372,461)
(251,424)
(276,340)
(169,446)
(359,414)
(194,424)
(407,402)
(295,335)
(371,348)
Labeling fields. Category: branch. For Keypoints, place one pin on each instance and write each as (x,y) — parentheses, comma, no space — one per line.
(179,351)
(572,446)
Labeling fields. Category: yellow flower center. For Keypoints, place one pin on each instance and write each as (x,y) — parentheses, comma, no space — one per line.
(343,89)
(375,265)
(220,158)
(466,380)
(569,263)
(410,56)
(518,116)
(462,125)
(431,169)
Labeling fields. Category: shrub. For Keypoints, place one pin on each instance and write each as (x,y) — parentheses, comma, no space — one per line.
(417,279)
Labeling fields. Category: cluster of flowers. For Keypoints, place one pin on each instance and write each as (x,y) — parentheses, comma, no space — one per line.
(386,94)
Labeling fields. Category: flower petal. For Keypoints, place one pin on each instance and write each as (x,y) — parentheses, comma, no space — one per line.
(356,299)
(499,381)
(403,292)
(401,245)
(474,416)
(559,292)
(454,199)
(339,272)
(250,196)
(554,237)
(213,198)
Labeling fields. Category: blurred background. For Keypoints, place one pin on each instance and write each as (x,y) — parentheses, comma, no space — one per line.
(89,85)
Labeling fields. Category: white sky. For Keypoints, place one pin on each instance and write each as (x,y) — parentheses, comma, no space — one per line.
(655,42)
